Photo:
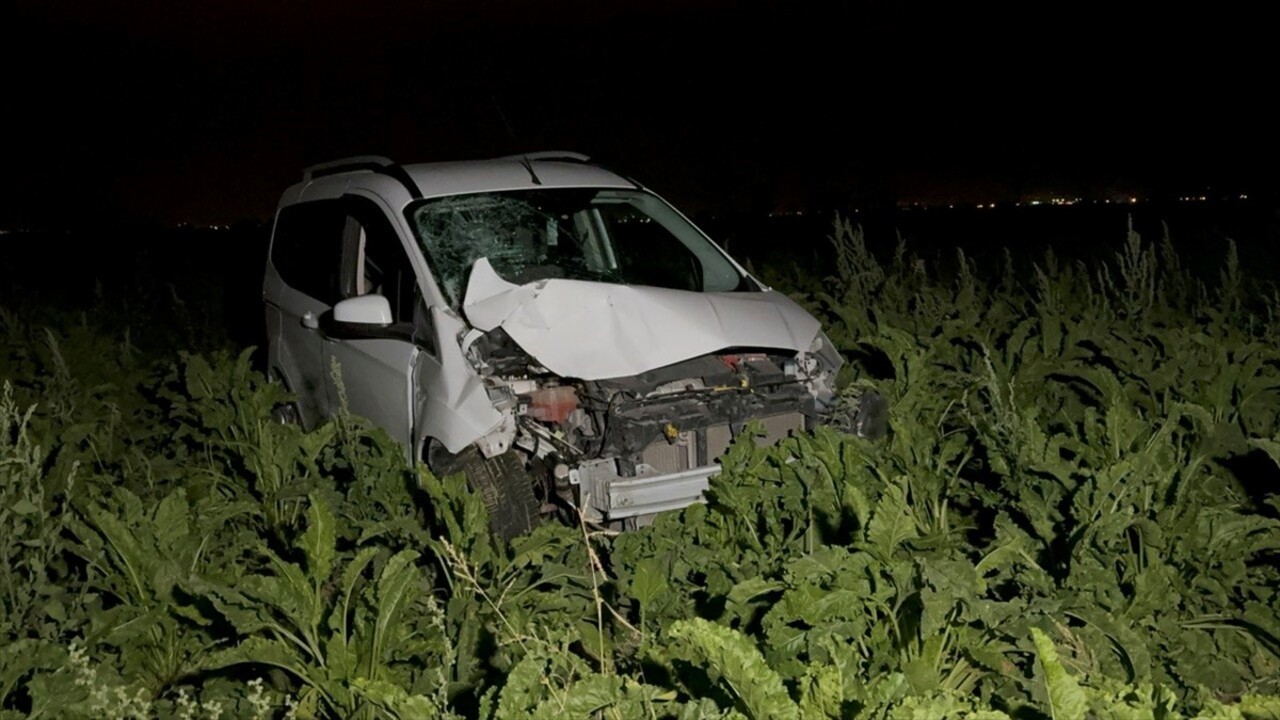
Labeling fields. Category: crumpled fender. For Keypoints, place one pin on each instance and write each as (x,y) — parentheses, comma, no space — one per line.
(452,405)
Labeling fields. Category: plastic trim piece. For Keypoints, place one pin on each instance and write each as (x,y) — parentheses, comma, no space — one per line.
(617,497)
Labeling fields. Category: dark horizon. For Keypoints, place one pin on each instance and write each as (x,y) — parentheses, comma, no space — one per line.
(204,113)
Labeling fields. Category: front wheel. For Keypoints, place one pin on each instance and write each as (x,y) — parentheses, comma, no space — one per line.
(865,415)
(871,419)
(507,489)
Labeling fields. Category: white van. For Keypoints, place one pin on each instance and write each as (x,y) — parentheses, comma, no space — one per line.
(551,328)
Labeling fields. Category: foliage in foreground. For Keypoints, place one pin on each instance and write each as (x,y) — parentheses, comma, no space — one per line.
(1075,515)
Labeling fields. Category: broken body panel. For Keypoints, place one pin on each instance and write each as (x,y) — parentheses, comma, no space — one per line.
(661,381)
(591,330)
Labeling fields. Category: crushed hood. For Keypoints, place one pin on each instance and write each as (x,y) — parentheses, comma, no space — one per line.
(594,331)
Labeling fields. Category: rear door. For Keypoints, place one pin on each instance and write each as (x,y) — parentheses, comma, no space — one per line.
(376,373)
(301,285)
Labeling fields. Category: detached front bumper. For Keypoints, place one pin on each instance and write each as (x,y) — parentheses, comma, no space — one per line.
(608,496)
(669,474)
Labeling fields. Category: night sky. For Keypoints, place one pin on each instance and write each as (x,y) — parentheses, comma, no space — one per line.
(203,111)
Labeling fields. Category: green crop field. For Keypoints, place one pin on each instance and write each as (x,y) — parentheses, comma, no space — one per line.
(1076,514)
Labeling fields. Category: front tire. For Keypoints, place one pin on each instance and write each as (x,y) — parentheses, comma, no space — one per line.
(507,490)
(871,418)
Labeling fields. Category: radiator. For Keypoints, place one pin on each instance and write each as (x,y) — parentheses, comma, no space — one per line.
(682,453)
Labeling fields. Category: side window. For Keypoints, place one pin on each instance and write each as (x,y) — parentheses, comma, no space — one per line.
(307,248)
(647,252)
(376,261)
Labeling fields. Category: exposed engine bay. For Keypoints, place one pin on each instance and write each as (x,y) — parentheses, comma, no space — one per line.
(622,449)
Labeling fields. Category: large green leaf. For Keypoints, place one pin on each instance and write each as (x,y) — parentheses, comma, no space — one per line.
(397,585)
(891,523)
(756,686)
(1067,700)
(318,542)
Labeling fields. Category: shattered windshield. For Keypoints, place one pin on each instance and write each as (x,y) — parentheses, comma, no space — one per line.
(628,237)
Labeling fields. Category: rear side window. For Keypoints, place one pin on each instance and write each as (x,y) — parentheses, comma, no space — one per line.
(307,248)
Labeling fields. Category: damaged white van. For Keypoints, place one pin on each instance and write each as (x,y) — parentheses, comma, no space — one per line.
(552,329)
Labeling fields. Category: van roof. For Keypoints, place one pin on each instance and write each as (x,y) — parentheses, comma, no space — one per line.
(425,180)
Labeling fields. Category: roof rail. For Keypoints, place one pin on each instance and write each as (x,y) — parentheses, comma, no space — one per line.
(567,156)
(351,164)
(369,163)
(549,155)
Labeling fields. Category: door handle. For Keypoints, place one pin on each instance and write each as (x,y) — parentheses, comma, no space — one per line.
(310,321)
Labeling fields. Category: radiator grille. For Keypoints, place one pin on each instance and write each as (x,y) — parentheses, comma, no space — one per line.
(669,457)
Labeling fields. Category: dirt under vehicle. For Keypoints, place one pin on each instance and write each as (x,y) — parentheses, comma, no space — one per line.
(551,328)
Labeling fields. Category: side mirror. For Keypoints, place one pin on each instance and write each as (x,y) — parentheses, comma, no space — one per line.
(363,310)
(367,317)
